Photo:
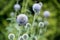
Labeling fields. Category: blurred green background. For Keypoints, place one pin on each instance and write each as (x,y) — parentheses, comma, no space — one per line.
(6,7)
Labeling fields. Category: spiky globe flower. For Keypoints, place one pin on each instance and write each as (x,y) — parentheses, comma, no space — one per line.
(46,14)
(11,36)
(41,24)
(36,7)
(22,19)
(25,36)
(17,7)
(20,38)
(28,25)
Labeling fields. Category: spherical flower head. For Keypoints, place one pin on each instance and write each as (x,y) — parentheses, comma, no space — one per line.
(36,7)
(22,19)
(46,14)
(20,38)
(28,25)
(25,36)
(17,7)
(41,24)
(11,36)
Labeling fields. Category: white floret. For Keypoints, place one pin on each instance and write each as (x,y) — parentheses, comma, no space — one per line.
(28,25)
(25,36)
(11,36)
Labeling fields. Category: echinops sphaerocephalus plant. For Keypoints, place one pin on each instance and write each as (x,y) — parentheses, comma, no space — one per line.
(22,25)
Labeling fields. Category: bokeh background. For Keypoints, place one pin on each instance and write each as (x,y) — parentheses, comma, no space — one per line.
(6,7)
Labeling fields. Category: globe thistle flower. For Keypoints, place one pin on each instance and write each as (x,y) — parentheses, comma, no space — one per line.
(46,23)
(36,7)
(20,38)
(46,14)
(11,36)
(28,25)
(22,19)
(17,7)
(34,38)
(41,24)
(25,36)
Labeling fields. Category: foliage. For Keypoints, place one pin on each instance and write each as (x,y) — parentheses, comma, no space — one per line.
(6,6)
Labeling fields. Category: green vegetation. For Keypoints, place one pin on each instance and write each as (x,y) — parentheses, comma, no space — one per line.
(53,31)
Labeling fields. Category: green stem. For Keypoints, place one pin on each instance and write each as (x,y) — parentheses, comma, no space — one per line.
(17,1)
(32,30)
(45,26)
(34,19)
(24,6)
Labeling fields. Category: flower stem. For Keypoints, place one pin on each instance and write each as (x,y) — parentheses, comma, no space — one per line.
(34,19)
(45,26)
(17,1)
(32,30)
(24,6)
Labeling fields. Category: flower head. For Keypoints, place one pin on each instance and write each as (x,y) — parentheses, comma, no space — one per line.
(25,36)
(36,7)
(46,14)
(28,25)
(17,7)
(41,24)
(22,19)
(20,38)
(11,36)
